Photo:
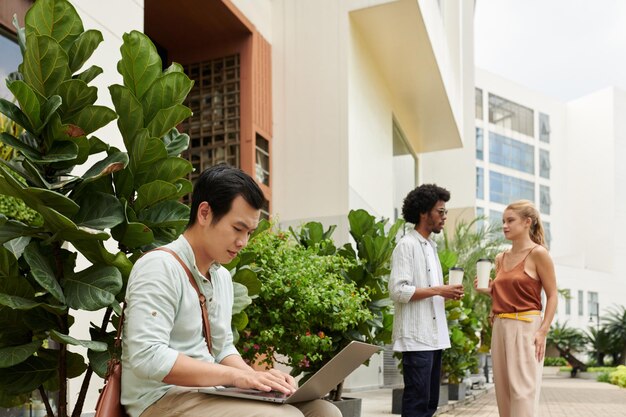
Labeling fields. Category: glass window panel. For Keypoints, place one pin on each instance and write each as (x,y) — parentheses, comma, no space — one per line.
(504,189)
(511,153)
(580,303)
(544,128)
(495,217)
(510,115)
(592,303)
(568,302)
(262,160)
(479,103)
(479,144)
(544,199)
(548,233)
(544,163)
(480,183)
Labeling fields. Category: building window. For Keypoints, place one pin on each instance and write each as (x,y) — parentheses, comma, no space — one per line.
(511,153)
(10,58)
(547,232)
(262,160)
(480,183)
(544,128)
(568,302)
(478,93)
(495,217)
(214,127)
(544,199)
(592,303)
(504,189)
(480,146)
(580,303)
(544,163)
(510,115)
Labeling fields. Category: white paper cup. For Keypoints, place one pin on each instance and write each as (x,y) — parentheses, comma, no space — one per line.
(483,268)
(456,276)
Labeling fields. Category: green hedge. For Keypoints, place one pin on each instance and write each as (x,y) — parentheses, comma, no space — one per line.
(618,377)
(554,361)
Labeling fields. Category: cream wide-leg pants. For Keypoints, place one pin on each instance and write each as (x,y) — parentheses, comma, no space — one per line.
(516,372)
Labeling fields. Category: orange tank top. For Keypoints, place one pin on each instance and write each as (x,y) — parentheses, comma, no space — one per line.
(515,291)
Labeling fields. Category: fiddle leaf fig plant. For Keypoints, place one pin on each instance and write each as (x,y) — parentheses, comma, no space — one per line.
(131,196)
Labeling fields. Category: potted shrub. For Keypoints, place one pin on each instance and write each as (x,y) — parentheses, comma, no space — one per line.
(315,298)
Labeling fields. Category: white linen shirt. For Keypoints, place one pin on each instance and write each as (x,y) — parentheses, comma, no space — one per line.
(163,318)
(420,324)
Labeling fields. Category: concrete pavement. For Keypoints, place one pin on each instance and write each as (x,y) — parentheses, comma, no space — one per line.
(560,397)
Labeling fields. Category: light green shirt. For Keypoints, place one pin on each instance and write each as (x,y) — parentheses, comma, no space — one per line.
(163,318)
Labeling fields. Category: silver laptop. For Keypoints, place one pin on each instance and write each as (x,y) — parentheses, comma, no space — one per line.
(320,384)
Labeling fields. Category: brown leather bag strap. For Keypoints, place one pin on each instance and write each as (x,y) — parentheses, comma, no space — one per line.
(205,317)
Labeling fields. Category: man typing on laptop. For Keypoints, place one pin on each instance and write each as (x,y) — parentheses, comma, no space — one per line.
(164,347)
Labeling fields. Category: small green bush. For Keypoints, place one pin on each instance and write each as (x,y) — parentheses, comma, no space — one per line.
(618,377)
(607,369)
(603,377)
(555,361)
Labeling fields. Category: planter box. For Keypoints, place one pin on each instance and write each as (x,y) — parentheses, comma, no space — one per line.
(443,395)
(349,407)
(456,392)
(396,400)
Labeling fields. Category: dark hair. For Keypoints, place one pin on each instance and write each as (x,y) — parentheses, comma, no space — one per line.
(422,200)
(219,185)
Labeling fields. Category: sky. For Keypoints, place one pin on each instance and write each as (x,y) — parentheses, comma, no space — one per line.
(562,48)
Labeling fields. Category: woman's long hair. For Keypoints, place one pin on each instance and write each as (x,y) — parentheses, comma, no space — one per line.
(527,210)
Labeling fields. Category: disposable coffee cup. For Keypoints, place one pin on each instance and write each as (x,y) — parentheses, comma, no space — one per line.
(456,276)
(483,268)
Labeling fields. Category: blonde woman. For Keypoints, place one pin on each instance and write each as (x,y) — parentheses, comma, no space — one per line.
(518,342)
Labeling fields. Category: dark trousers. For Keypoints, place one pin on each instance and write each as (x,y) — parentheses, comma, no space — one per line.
(422,374)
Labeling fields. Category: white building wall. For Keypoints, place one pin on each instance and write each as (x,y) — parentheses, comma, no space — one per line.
(309,64)
(590,182)
(370,129)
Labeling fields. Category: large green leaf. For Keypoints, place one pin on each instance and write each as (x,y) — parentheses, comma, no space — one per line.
(78,233)
(17,303)
(165,214)
(28,375)
(17,245)
(54,18)
(93,288)
(12,229)
(99,211)
(59,152)
(169,169)
(8,266)
(89,74)
(167,91)
(144,154)
(76,95)
(114,162)
(12,355)
(42,270)
(95,252)
(36,198)
(140,65)
(129,110)
(133,234)
(241,298)
(154,192)
(175,142)
(45,64)
(30,102)
(14,113)
(69,340)
(239,321)
(167,118)
(360,223)
(92,118)
(246,276)
(99,362)
(82,49)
